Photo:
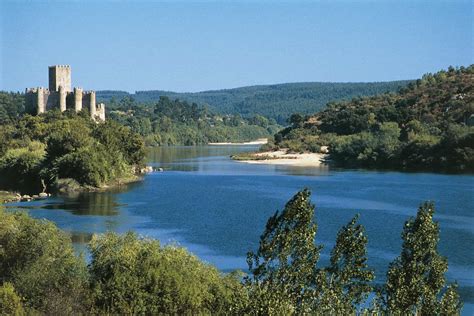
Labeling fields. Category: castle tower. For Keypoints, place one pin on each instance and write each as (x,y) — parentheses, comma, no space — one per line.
(78,99)
(59,95)
(93,108)
(41,108)
(101,112)
(60,75)
(62,99)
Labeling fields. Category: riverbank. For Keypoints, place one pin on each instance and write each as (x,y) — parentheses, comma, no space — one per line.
(282,157)
(68,186)
(8,196)
(260,141)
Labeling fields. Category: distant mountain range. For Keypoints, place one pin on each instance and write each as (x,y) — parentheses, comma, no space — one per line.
(276,101)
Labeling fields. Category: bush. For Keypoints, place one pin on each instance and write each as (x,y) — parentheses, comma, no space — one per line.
(39,260)
(134,276)
(19,168)
(10,303)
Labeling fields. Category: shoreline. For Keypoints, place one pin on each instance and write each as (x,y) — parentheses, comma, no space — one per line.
(260,141)
(69,186)
(282,157)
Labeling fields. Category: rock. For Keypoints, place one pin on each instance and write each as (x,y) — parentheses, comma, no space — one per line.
(35,197)
(160,169)
(147,169)
(26,197)
(43,195)
(324,150)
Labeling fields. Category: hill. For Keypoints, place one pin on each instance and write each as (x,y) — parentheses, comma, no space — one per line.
(277,101)
(429,124)
(176,122)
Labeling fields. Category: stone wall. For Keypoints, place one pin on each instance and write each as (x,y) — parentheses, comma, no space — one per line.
(60,75)
(60,96)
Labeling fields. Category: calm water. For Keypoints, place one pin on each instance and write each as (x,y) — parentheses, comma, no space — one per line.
(218,208)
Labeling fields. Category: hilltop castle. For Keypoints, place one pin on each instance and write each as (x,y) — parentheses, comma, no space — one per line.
(61,96)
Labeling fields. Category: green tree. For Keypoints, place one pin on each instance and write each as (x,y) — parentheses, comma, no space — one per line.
(10,302)
(349,276)
(39,260)
(136,276)
(20,168)
(416,278)
(285,263)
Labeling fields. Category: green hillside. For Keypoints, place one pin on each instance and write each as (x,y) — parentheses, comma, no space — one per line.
(427,125)
(277,101)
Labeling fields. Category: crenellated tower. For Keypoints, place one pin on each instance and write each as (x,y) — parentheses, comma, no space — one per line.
(61,96)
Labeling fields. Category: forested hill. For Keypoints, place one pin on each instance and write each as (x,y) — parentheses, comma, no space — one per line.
(427,125)
(277,101)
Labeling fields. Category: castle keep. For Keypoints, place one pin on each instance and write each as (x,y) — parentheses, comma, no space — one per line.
(61,96)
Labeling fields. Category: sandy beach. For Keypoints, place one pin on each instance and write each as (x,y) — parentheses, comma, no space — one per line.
(281,157)
(260,141)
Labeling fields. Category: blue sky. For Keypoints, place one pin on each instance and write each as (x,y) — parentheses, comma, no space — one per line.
(194,46)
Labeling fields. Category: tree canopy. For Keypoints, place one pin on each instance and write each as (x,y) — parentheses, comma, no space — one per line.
(128,274)
(427,125)
(275,102)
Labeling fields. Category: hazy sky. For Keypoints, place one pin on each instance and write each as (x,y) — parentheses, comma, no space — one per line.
(193,46)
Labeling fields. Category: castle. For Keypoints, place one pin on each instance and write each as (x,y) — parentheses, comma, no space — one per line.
(61,96)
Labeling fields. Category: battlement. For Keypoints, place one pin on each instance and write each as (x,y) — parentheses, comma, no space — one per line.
(61,96)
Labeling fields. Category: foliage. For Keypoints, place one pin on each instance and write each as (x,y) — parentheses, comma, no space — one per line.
(416,278)
(275,102)
(40,150)
(10,302)
(175,122)
(136,276)
(348,275)
(38,259)
(11,106)
(20,167)
(427,125)
(284,274)
(286,258)
(130,275)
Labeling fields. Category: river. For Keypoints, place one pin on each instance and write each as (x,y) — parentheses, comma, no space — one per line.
(218,208)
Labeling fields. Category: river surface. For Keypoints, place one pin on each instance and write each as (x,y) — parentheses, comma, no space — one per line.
(217,208)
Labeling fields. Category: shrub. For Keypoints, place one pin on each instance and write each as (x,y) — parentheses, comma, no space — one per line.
(39,260)
(10,303)
(134,276)
(19,168)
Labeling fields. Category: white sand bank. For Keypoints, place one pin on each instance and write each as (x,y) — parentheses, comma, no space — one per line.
(260,141)
(281,157)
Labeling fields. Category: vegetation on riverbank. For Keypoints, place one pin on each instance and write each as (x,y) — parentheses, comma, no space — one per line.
(175,122)
(40,273)
(66,151)
(277,101)
(429,125)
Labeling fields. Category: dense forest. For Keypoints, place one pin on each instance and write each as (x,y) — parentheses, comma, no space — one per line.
(429,124)
(167,121)
(56,151)
(175,122)
(276,102)
(41,274)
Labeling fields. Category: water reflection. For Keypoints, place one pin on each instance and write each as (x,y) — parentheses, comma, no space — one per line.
(166,155)
(90,203)
(215,160)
